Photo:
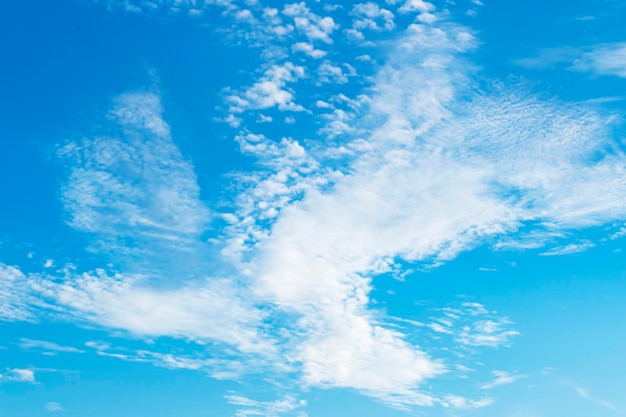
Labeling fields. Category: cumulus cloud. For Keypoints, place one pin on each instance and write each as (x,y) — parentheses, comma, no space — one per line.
(370,16)
(308,49)
(270,91)
(311,25)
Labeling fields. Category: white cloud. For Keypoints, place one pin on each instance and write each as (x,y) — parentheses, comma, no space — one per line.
(270,91)
(171,7)
(370,16)
(585,394)
(308,49)
(439,173)
(53,407)
(46,346)
(606,59)
(431,166)
(249,407)
(502,378)
(599,60)
(314,27)
(135,186)
(18,375)
(487,333)
(217,368)
(330,73)
(416,6)
(123,302)
(16,302)
(570,249)
(464,403)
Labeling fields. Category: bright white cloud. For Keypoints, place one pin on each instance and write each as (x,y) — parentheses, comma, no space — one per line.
(370,16)
(126,303)
(416,6)
(308,49)
(464,403)
(270,91)
(431,166)
(311,25)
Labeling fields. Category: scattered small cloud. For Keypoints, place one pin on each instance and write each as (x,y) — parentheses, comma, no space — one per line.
(276,408)
(46,347)
(584,393)
(18,375)
(502,378)
(570,249)
(53,407)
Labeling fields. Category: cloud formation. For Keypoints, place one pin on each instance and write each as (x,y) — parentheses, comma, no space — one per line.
(420,165)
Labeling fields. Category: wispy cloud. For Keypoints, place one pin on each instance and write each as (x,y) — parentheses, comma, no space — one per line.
(600,60)
(130,192)
(570,249)
(582,392)
(502,378)
(604,60)
(53,407)
(430,166)
(46,346)
(249,407)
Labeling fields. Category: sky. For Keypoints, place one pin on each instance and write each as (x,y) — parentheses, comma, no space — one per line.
(236,208)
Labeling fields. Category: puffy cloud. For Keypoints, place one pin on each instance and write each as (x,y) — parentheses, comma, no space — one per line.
(308,49)
(270,90)
(313,26)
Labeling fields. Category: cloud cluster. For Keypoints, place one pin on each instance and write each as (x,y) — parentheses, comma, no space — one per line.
(421,166)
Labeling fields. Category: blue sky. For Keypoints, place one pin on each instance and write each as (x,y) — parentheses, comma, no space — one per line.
(241,208)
